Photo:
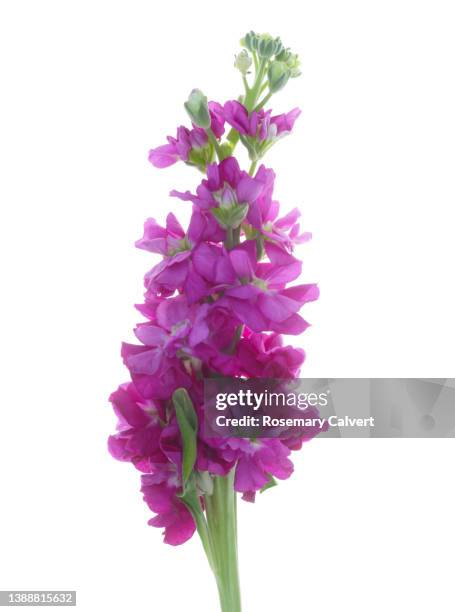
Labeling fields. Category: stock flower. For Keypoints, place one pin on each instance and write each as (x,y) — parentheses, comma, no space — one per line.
(137,439)
(256,291)
(295,438)
(257,460)
(225,183)
(154,377)
(176,149)
(188,141)
(264,220)
(162,240)
(264,356)
(171,513)
(259,129)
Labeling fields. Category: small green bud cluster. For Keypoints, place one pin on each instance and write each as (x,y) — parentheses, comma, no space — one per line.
(282,63)
(263,44)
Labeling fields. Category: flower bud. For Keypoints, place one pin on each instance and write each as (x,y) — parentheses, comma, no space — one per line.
(291,60)
(293,64)
(197,108)
(278,75)
(243,61)
(278,46)
(283,55)
(266,46)
(250,41)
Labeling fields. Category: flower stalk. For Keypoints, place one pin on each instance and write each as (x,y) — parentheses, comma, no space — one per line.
(221,511)
(216,305)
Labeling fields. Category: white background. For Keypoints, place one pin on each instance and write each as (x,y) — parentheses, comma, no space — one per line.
(87,88)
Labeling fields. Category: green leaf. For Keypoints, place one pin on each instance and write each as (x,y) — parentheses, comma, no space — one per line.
(188,425)
(268,485)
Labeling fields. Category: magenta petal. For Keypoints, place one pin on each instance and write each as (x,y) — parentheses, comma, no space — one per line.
(302,293)
(217,118)
(277,307)
(163,156)
(172,311)
(284,274)
(205,259)
(248,189)
(198,333)
(146,362)
(150,334)
(195,287)
(277,255)
(241,264)
(273,458)
(230,171)
(288,220)
(173,226)
(154,238)
(294,325)
(237,116)
(125,402)
(244,292)
(196,227)
(214,181)
(250,315)
(284,123)
(225,273)
(185,196)
(249,476)
(181,530)
(176,519)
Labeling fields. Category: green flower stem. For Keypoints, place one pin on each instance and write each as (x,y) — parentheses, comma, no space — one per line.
(255,60)
(233,137)
(191,501)
(251,98)
(221,510)
(253,168)
(264,101)
(232,238)
(229,242)
(215,143)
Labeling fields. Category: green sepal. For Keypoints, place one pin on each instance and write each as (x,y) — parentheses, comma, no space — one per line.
(230,217)
(201,157)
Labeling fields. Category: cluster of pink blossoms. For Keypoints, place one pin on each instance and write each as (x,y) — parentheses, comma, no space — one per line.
(218,303)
